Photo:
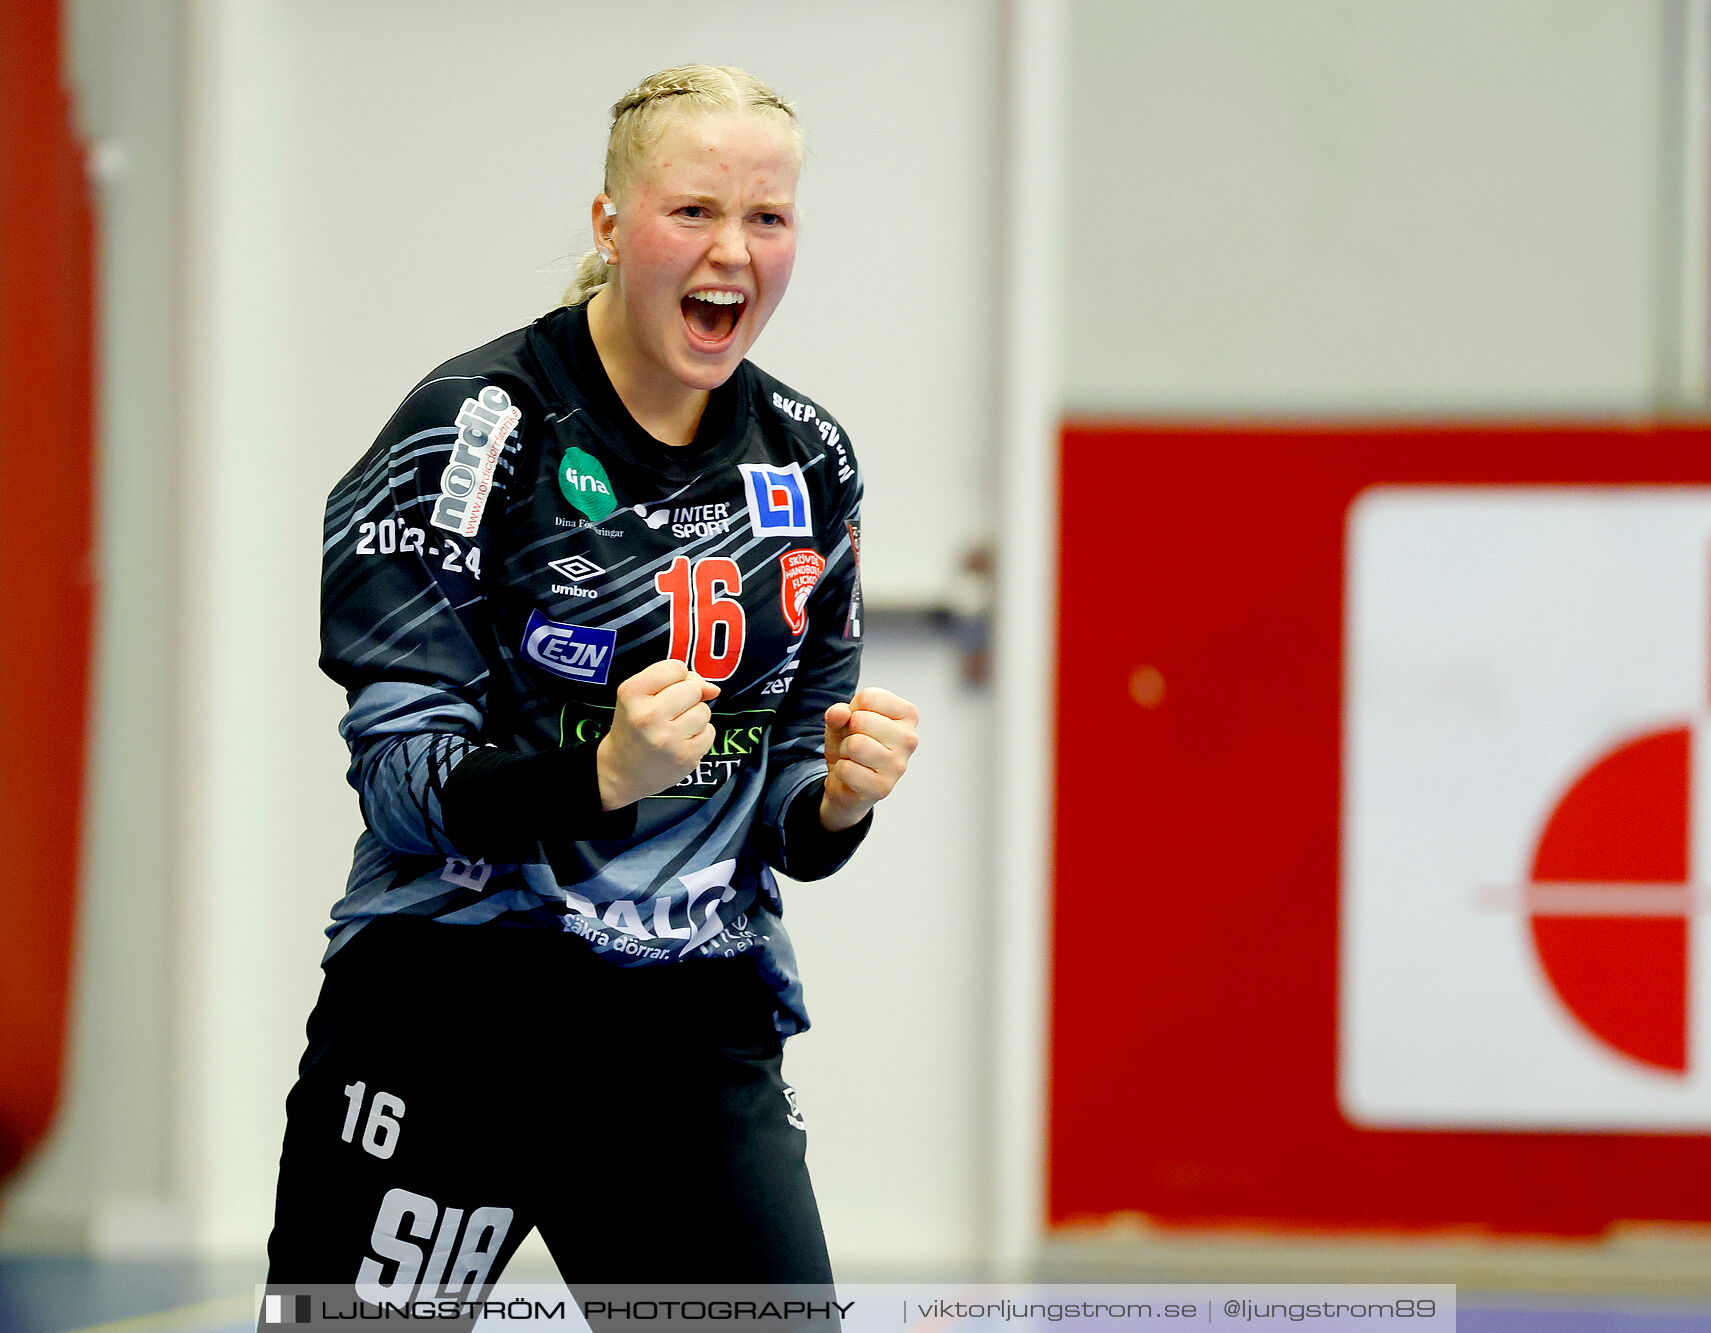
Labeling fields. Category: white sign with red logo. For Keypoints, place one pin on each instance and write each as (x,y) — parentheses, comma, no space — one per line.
(799,571)
(1525,709)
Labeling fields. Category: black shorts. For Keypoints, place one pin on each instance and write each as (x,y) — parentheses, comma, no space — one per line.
(463,1084)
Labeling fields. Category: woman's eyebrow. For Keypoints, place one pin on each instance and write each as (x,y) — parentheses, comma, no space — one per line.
(764,206)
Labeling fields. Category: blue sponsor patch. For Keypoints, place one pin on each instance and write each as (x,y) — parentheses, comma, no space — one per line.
(778,500)
(576,652)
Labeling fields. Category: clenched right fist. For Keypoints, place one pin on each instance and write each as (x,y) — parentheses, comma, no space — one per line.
(660,731)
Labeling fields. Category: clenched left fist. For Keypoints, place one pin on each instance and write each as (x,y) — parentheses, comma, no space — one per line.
(868,744)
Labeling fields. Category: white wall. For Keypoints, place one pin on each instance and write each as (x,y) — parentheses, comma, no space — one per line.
(369,187)
(1332,206)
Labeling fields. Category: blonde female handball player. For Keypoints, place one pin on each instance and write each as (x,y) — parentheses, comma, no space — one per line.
(593,594)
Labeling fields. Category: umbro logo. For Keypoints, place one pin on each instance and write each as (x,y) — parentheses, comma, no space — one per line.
(576,568)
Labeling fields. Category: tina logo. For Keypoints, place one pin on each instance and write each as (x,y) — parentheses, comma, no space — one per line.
(778,500)
(799,571)
(576,652)
(585,484)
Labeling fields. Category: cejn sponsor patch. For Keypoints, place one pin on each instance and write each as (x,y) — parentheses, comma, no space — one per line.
(777,499)
(799,571)
(576,652)
(484,424)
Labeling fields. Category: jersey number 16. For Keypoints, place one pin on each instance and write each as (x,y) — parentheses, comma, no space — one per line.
(707,627)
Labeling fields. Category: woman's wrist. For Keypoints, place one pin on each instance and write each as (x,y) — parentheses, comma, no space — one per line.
(614,792)
(836,816)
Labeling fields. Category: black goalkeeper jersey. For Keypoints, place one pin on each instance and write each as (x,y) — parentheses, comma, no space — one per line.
(510,549)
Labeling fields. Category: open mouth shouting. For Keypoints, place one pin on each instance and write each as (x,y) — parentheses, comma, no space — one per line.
(711,314)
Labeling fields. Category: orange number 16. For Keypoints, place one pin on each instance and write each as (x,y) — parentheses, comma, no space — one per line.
(707,627)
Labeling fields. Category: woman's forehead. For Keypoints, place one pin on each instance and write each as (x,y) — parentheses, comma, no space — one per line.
(718,151)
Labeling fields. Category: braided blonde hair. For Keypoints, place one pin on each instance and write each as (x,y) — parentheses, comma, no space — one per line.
(642,115)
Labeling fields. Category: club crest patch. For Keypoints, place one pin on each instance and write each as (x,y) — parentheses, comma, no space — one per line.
(799,571)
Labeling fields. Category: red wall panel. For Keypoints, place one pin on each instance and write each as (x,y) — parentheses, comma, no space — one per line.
(46,456)
(1195,951)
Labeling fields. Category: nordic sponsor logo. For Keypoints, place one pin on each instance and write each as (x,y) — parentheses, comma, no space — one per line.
(576,652)
(585,484)
(484,424)
(799,571)
(777,499)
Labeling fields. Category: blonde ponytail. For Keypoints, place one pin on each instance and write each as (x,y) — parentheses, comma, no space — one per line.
(592,273)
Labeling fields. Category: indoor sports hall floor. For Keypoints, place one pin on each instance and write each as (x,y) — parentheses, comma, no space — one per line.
(53,1294)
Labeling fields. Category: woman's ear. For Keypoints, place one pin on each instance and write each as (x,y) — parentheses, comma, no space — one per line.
(604,215)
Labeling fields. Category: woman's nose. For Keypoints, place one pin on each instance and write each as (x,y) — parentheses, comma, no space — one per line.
(730,246)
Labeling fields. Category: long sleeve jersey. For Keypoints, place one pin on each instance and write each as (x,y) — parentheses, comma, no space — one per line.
(511,548)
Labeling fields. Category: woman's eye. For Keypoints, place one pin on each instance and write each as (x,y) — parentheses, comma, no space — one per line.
(770,219)
(694,211)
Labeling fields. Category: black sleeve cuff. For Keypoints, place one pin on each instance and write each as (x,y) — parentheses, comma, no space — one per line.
(810,851)
(501,806)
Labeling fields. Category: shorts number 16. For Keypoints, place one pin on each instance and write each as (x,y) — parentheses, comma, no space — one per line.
(380,1135)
